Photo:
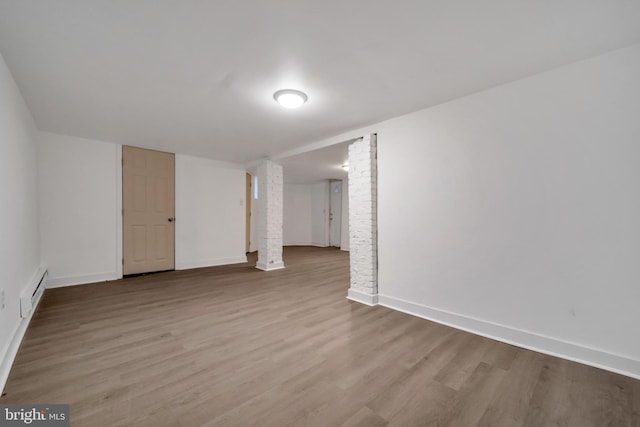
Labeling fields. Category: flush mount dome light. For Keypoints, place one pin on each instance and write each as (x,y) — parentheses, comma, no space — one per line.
(290,98)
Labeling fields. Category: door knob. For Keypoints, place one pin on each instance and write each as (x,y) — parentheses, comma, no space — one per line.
(172,219)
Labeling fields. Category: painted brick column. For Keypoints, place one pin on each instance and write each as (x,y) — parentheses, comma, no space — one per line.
(270,213)
(363,239)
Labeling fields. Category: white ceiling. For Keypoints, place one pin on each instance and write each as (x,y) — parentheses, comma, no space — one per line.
(197,77)
(317,165)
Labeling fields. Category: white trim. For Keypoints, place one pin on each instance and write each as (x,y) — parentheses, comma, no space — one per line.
(119,219)
(362,297)
(14,345)
(186,265)
(518,337)
(306,244)
(270,267)
(34,290)
(61,282)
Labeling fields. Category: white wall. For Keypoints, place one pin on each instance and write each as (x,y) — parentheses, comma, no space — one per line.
(80,206)
(297,215)
(210,213)
(344,236)
(515,212)
(80,198)
(19,254)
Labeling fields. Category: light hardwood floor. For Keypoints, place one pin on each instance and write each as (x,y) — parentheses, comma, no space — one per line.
(235,346)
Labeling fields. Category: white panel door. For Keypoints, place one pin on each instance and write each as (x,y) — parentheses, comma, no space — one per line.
(335,214)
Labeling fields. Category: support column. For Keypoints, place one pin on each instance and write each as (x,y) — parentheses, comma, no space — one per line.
(270,213)
(363,226)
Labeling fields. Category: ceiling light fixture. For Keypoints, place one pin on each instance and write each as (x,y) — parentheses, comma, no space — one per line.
(290,98)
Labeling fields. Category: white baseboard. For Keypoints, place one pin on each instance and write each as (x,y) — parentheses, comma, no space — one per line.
(521,338)
(344,249)
(14,344)
(270,267)
(61,282)
(317,245)
(186,265)
(362,297)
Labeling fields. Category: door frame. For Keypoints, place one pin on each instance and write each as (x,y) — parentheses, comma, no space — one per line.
(119,215)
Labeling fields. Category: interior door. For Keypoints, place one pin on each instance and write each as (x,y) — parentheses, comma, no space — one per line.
(148,210)
(248,215)
(335,213)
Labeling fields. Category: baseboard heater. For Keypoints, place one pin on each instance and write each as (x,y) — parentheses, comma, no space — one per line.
(31,295)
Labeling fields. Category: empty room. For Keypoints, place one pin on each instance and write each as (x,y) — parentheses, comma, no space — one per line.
(337,213)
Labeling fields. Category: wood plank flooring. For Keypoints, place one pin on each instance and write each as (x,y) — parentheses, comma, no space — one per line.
(235,346)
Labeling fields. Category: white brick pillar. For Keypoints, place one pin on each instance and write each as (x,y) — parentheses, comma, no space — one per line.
(270,215)
(363,239)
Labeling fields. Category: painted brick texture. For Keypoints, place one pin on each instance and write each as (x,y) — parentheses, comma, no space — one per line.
(363,215)
(270,214)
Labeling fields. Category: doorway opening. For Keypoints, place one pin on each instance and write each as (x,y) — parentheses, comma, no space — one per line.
(314,205)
